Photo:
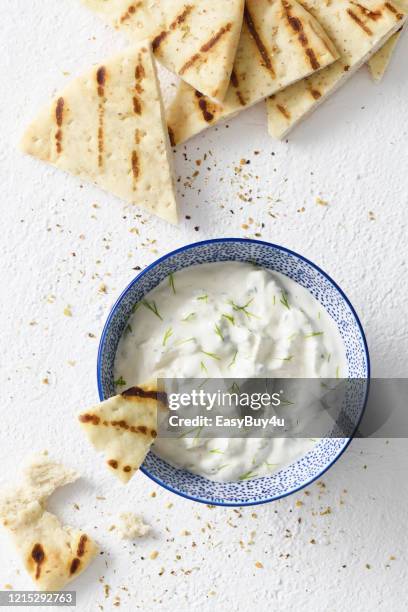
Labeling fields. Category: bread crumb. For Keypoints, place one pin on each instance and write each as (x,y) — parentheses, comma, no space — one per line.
(154,555)
(132,526)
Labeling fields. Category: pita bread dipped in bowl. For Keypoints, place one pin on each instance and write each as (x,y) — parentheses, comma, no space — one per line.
(229,310)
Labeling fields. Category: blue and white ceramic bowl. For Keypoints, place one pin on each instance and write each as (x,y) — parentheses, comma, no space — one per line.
(328,450)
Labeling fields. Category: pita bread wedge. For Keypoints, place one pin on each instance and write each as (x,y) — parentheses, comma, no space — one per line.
(358,29)
(52,554)
(195,39)
(107,127)
(380,61)
(280,44)
(124,427)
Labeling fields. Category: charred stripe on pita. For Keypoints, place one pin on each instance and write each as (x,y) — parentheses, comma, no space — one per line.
(74,566)
(143,393)
(392,8)
(359,22)
(89,418)
(82,545)
(283,110)
(235,83)
(59,117)
(130,12)
(135,167)
(374,15)
(173,26)
(203,105)
(258,41)
(101,81)
(315,94)
(38,556)
(171,136)
(206,47)
(297,26)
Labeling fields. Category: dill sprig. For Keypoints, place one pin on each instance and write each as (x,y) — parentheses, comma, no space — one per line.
(203,298)
(212,355)
(120,382)
(171,283)
(313,334)
(243,308)
(229,318)
(219,332)
(152,306)
(168,334)
(233,359)
(247,475)
(284,300)
(189,317)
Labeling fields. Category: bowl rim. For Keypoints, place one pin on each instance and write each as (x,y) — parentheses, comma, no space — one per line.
(239,241)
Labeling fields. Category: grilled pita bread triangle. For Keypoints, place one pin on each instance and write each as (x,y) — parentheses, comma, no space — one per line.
(195,39)
(107,127)
(379,62)
(52,554)
(280,44)
(124,427)
(358,29)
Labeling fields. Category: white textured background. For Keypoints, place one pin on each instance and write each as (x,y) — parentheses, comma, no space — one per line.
(61,242)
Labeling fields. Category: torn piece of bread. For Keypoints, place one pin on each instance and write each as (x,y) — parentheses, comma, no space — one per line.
(108,127)
(52,554)
(280,44)
(195,39)
(132,526)
(358,29)
(124,427)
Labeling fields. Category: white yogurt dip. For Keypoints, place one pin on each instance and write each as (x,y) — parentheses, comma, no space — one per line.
(226,320)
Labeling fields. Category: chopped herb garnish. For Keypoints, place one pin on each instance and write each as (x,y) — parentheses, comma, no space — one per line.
(274,300)
(243,308)
(284,402)
(167,335)
(338,372)
(212,355)
(229,318)
(135,307)
(284,300)
(217,451)
(152,306)
(128,329)
(219,332)
(171,283)
(314,334)
(203,298)
(288,358)
(185,341)
(120,382)
(203,367)
(271,466)
(247,476)
(234,388)
(189,317)
(233,359)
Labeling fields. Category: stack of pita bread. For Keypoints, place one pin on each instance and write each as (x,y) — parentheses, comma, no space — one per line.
(109,126)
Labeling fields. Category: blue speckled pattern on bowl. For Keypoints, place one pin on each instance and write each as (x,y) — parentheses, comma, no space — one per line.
(327,451)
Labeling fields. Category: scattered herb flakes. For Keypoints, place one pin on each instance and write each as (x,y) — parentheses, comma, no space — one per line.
(234,359)
(243,308)
(203,298)
(326,512)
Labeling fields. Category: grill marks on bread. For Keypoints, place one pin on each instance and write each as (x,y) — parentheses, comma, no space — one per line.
(101,82)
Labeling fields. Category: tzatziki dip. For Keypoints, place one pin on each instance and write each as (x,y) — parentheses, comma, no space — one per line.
(229,320)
